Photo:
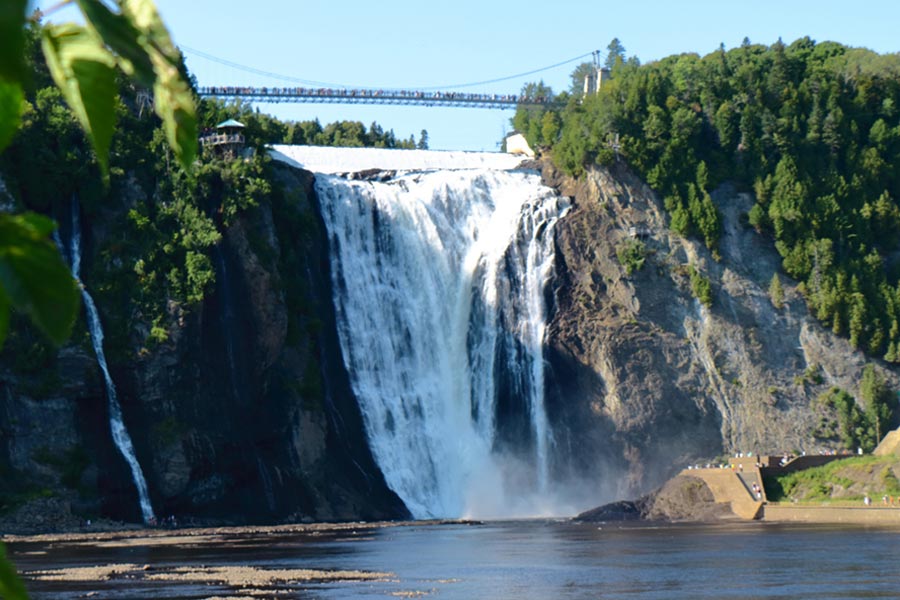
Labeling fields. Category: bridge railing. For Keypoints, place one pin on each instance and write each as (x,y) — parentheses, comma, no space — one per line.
(363,96)
(218,139)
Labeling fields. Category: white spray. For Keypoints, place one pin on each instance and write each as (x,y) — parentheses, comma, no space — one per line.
(439,282)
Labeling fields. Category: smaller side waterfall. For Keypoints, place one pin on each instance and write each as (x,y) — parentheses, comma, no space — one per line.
(119,433)
(227,316)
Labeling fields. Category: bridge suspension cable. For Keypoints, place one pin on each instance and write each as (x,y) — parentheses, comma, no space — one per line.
(256,71)
(326,84)
(508,77)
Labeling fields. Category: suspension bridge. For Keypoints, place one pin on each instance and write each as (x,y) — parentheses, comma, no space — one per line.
(367,96)
(286,90)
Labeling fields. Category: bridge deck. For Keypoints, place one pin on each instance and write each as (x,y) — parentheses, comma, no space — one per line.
(344,96)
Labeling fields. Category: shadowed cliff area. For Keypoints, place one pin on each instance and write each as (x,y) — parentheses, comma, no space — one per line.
(243,413)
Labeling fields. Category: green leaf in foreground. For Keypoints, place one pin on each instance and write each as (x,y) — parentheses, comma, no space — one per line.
(172,97)
(144,16)
(175,106)
(34,277)
(11,587)
(12,40)
(122,37)
(11,104)
(84,70)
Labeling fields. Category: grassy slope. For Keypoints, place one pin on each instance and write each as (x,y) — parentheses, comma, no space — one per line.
(842,481)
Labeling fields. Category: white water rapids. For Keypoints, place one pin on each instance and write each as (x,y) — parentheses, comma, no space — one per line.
(439,279)
(119,433)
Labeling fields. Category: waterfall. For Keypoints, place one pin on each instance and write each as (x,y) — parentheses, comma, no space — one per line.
(439,281)
(268,490)
(227,317)
(119,433)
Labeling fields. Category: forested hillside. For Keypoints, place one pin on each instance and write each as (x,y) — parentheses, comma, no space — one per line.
(811,128)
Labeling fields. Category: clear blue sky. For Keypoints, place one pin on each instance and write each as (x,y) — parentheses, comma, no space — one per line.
(413,44)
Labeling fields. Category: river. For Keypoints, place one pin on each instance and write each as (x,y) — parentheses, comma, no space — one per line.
(499,560)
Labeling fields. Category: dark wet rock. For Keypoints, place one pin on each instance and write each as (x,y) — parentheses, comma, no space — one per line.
(681,499)
(623,510)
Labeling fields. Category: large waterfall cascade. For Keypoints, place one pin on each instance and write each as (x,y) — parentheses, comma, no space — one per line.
(439,281)
(119,433)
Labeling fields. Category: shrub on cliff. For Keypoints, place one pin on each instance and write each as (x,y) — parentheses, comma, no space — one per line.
(632,255)
(700,286)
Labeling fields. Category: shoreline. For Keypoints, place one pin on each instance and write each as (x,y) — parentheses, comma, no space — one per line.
(146,533)
(810,514)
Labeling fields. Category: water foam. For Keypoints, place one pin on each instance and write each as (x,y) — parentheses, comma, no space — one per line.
(439,282)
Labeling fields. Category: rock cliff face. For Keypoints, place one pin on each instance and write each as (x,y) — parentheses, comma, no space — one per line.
(244,414)
(647,379)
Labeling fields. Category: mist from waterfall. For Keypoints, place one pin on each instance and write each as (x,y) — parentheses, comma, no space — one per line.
(439,283)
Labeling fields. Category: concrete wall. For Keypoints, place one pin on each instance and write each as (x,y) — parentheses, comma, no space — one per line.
(863,515)
(728,488)
(889,445)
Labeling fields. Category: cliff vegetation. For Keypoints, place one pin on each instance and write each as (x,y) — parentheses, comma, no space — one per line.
(812,129)
(849,480)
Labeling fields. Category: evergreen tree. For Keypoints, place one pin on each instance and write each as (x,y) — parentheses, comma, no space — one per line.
(776,292)
(578,75)
(700,286)
(879,401)
(550,126)
(615,54)
(852,428)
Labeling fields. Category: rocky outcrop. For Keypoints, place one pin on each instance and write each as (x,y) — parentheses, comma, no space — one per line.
(646,378)
(681,499)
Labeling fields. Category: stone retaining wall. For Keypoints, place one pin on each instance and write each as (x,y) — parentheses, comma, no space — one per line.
(863,515)
(728,488)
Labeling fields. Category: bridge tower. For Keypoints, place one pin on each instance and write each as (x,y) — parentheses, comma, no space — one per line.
(599,74)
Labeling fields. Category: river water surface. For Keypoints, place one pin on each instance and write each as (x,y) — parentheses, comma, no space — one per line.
(503,560)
